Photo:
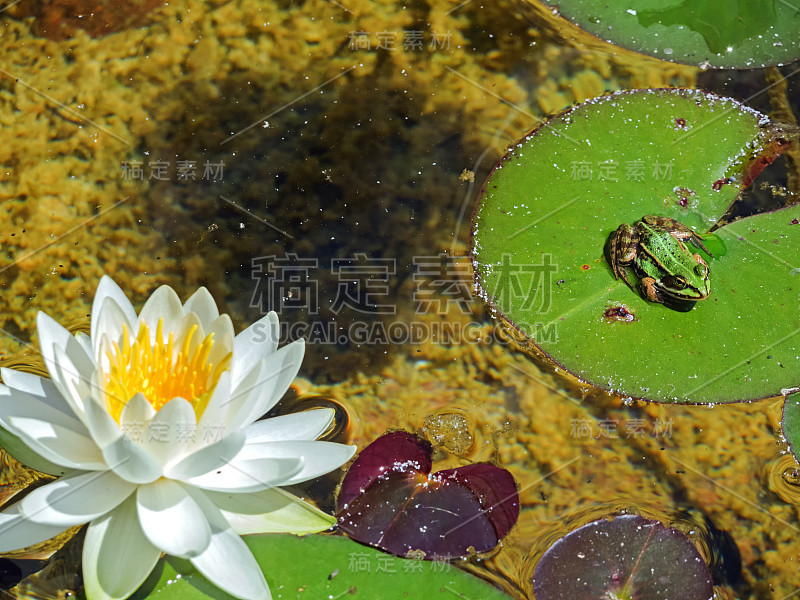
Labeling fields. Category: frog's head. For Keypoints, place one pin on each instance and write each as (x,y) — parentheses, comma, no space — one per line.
(690,284)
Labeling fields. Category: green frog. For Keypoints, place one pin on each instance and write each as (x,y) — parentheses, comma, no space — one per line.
(668,272)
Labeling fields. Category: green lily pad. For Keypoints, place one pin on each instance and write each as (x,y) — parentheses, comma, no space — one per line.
(319,566)
(716,33)
(547,211)
(791,423)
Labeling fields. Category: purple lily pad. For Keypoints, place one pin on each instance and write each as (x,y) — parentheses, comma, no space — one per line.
(628,557)
(389,499)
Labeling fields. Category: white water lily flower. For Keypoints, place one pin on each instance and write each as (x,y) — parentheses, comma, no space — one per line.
(151,423)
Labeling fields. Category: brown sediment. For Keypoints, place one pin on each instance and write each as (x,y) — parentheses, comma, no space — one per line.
(61,19)
(204,71)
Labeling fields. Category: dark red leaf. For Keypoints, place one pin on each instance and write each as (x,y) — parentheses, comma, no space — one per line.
(627,557)
(496,490)
(388,452)
(389,500)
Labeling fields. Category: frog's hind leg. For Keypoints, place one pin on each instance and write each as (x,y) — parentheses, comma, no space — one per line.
(623,251)
(698,241)
(699,259)
(678,230)
(693,237)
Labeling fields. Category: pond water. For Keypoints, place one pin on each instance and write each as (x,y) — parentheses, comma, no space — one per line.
(322,158)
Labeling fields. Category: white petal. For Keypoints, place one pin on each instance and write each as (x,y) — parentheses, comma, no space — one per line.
(103,427)
(202,304)
(176,411)
(51,410)
(72,385)
(30,396)
(75,499)
(271,511)
(57,444)
(117,557)
(306,425)
(50,333)
(171,519)
(182,330)
(207,458)
(222,330)
(249,475)
(137,412)
(318,457)
(131,462)
(108,290)
(52,336)
(212,422)
(16,531)
(228,562)
(85,341)
(162,304)
(163,441)
(279,370)
(253,344)
(241,402)
(284,365)
(15,447)
(110,323)
(39,387)
(76,370)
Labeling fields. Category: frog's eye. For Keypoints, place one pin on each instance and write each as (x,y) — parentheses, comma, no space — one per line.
(676,282)
(701,270)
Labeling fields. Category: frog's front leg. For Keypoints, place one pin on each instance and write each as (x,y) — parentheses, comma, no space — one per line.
(648,289)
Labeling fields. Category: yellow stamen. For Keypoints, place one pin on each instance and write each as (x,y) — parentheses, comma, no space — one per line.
(151,369)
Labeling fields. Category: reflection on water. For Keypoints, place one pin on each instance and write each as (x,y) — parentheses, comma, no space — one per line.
(340,429)
(306,157)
